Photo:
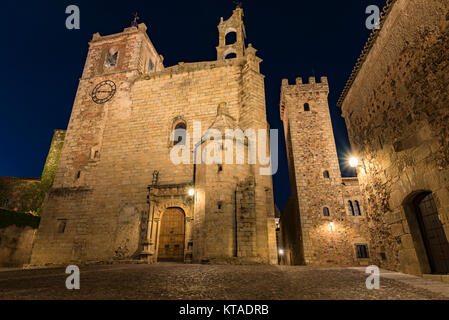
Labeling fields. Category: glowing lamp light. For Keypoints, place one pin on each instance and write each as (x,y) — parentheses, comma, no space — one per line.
(354,162)
(191,192)
(332,226)
(281,252)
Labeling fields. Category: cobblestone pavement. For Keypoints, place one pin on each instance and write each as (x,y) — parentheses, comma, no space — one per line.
(204,282)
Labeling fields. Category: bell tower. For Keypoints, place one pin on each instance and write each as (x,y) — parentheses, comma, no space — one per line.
(231,47)
(128,51)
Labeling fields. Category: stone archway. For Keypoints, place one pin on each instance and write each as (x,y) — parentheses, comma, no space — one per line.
(429,237)
(172,235)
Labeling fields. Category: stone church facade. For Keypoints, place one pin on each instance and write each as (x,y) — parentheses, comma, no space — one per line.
(118,195)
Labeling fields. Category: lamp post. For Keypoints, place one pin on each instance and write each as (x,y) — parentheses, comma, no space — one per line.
(354,162)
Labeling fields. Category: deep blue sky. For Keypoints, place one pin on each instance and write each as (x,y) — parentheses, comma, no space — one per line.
(42,60)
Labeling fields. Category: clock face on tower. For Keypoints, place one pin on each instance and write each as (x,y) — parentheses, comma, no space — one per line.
(103,92)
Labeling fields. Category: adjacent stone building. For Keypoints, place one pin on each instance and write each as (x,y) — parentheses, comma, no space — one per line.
(118,194)
(20,205)
(396,106)
(324,221)
(27,194)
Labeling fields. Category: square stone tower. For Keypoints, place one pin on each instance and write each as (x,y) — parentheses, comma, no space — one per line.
(318,228)
(118,194)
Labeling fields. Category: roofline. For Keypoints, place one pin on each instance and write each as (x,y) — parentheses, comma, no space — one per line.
(366,50)
(21,178)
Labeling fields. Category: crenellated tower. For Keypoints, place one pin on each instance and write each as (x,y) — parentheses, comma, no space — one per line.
(317,229)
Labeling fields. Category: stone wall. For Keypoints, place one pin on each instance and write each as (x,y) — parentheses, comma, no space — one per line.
(317,228)
(15,245)
(27,194)
(20,194)
(397,115)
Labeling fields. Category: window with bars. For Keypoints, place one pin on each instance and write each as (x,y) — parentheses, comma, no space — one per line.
(361,251)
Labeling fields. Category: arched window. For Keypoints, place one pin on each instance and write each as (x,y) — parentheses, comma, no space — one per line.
(306,107)
(231,55)
(180,134)
(151,65)
(326,175)
(111,57)
(231,38)
(326,212)
(357,210)
(351,208)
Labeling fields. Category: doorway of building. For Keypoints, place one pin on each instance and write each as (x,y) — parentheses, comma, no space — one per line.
(172,235)
(434,236)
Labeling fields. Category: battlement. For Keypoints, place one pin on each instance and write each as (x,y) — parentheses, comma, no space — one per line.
(312,84)
(305,90)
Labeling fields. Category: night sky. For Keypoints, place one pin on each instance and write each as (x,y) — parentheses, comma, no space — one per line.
(43,61)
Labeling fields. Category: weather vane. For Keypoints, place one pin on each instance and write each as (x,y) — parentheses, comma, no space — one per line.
(134,23)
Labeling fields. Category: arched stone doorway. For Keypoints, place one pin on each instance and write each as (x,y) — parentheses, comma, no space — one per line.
(427,228)
(172,235)
(435,239)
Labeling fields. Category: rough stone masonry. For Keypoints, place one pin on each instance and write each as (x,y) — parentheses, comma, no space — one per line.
(324,221)
(396,106)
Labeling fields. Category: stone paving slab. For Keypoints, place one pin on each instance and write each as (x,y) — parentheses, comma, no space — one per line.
(210,282)
(435,286)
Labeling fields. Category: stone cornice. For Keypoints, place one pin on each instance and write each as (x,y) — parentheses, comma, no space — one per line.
(191,67)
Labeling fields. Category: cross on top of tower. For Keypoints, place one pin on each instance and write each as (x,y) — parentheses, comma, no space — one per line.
(238,4)
(134,22)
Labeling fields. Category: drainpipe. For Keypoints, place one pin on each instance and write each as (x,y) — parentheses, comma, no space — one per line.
(151,219)
(236,253)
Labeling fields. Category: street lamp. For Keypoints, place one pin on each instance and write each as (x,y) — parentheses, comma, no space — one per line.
(354,162)
(191,192)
